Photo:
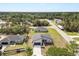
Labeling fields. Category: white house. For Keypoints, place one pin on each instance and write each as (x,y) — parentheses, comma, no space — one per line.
(61,27)
(58,20)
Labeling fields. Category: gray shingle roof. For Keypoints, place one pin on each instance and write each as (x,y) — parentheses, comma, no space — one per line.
(39,37)
(41,29)
(13,38)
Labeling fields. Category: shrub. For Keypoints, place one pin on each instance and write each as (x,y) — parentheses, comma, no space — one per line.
(29,51)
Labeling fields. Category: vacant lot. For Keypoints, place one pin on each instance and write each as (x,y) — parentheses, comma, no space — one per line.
(58,40)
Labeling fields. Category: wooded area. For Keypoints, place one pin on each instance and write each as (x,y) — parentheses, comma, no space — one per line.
(70,19)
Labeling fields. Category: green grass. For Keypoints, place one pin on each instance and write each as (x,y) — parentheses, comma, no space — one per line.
(32,32)
(73,33)
(58,40)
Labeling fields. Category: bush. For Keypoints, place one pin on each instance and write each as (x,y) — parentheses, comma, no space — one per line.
(29,51)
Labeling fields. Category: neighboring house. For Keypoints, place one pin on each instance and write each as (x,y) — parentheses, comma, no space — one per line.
(41,29)
(61,27)
(12,39)
(28,22)
(40,39)
(58,20)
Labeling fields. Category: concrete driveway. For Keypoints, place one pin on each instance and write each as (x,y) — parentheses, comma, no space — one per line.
(37,51)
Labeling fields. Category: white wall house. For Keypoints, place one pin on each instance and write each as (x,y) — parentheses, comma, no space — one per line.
(58,20)
(61,27)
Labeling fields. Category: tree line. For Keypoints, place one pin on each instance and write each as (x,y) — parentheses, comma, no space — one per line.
(70,20)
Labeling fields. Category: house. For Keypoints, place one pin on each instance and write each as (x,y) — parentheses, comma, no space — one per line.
(12,39)
(61,27)
(58,20)
(40,39)
(41,29)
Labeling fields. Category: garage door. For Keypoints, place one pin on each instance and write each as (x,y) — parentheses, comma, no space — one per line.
(37,44)
(4,43)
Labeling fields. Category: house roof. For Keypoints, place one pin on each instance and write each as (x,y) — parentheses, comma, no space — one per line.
(39,37)
(13,38)
(41,29)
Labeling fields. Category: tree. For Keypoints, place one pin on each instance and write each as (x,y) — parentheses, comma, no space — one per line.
(40,23)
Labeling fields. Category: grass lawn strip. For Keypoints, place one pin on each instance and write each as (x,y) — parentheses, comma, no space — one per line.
(58,40)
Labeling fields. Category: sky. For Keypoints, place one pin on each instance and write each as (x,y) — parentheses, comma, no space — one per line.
(39,7)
